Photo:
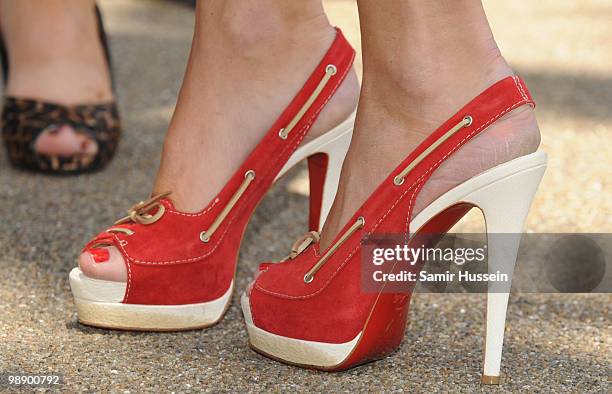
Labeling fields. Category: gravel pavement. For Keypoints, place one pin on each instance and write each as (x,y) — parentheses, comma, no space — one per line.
(553,342)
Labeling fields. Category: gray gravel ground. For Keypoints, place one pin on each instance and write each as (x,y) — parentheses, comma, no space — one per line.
(553,342)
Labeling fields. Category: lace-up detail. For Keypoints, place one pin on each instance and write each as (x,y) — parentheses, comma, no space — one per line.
(302,243)
(313,237)
(139,213)
(248,178)
(330,70)
(465,122)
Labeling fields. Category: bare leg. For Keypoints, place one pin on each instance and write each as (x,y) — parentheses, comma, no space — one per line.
(55,55)
(423,60)
(247,62)
(248,59)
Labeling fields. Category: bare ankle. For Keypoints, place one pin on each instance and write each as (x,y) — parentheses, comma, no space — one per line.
(424,99)
(50,44)
(264,25)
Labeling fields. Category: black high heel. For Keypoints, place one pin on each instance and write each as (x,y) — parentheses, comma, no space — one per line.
(24,120)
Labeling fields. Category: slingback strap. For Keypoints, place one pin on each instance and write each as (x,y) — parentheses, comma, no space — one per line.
(489,106)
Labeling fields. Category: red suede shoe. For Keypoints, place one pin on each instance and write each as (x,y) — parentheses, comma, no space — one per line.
(311,309)
(181,265)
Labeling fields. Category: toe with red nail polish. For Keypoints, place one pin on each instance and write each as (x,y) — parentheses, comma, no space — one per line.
(100,255)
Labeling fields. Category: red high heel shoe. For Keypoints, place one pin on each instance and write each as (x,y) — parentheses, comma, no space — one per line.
(310,309)
(180,265)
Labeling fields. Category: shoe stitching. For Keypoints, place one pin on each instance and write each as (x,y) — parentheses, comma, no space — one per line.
(201,213)
(129,281)
(412,200)
(518,84)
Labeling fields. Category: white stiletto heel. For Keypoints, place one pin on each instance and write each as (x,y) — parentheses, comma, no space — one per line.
(325,157)
(505,204)
(324,170)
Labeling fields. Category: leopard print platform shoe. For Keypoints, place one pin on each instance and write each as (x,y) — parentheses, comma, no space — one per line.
(23,120)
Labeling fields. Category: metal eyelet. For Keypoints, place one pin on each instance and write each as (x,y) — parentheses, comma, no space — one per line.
(308,278)
(398,180)
(331,69)
(282,134)
(469,120)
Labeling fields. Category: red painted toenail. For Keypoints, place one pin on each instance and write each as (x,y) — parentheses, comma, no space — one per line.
(100,255)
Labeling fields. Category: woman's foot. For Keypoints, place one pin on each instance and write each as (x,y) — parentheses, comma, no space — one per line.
(446,56)
(372,156)
(55,55)
(238,81)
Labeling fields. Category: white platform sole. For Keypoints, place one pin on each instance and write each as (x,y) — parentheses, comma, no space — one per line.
(111,313)
(504,194)
(99,303)
(295,351)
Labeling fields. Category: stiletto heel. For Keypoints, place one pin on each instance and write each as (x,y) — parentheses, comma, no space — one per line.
(317,169)
(325,156)
(324,174)
(311,310)
(505,204)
